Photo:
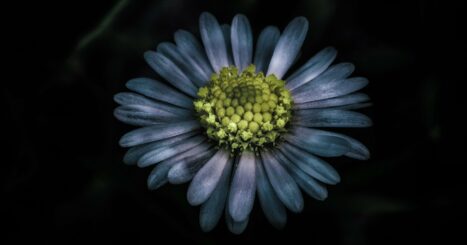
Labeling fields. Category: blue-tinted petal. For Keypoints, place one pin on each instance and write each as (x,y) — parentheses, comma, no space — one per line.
(242,42)
(330,118)
(288,47)
(191,48)
(129,98)
(228,42)
(213,40)
(265,45)
(344,100)
(317,143)
(312,68)
(242,190)
(185,170)
(140,115)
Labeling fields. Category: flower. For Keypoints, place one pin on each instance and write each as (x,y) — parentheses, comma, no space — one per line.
(228,120)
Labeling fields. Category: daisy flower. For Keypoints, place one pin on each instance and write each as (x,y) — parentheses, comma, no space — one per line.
(229,119)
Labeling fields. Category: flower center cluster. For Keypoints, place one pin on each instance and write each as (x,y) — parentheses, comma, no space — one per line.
(244,111)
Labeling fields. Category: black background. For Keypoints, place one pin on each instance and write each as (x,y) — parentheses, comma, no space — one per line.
(63,180)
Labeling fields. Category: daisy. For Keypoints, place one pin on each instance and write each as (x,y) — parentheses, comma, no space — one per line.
(229,120)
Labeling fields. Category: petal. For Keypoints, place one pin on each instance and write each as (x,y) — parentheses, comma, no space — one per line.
(184,171)
(171,72)
(242,42)
(288,47)
(265,45)
(213,40)
(140,115)
(284,185)
(312,68)
(191,48)
(310,164)
(166,152)
(190,68)
(157,132)
(305,181)
(228,42)
(330,118)
(207,178)
(134,154)
(158,176)
(357,149)
(236,227)
(334,102)
(354,106)
(211,210)
(242,190)
(159,91)
(334,74)
(129,98)
(272,207)
(319,144)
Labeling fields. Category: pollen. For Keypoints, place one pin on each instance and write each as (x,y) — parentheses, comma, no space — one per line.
(244,111)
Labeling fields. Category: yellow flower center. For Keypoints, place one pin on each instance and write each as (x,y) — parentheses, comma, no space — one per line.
(244,111)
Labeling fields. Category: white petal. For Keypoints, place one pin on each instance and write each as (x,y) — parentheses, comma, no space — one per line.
(265,45)
(211,210)
(129,98)
(159,91)
(334,102)
(330,118)
(213,40)
(140,115)
(157,132)
(272,207)
(190,68)
(317,143)
(185,170)
(242,190)
(193,50)
(312,68)
(242,42)
(284,185)
(135,153)
(357,149)
(206,180)
(311,164)
(288,47)
(168,70)
(305,181)
(163,153)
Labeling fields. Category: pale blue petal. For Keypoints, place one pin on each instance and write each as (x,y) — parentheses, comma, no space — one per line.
(129,98)
(330,118)
(185,170)
(357,149)
(135,153)
(243,188)
(213,40)
(190,68)
(284,185)
(211,210)
(317,143)
(163,153)
(272,207)
(312,187)
(171,72)
(330,89)
(344,100)
(354,106)
(242,42)
(193,50)
(207,178)
(288,47)
(139,115)
(265,45)
(228,42)
(159,91)
(157,132)
(310,164)
(312,68)
(158,176)
(334,74)
(236,227)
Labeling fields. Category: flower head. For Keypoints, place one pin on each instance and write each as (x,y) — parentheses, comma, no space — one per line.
(230,120)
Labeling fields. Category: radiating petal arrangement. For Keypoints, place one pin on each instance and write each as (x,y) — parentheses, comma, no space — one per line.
(229,119)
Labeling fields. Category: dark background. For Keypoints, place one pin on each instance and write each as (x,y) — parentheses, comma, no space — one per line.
(63,180)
